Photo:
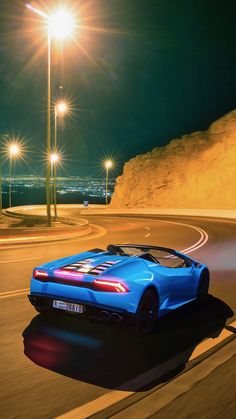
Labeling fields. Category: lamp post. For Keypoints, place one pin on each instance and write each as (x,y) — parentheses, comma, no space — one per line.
(54,158)
(60,110)
(60,25)
(108,165)
(4,137)
(13,151)
(0,184)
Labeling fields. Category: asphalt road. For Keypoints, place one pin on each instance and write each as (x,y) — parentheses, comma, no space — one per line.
(60,364)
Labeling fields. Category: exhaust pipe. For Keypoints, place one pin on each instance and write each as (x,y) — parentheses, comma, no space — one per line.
(105,315)
(116,317)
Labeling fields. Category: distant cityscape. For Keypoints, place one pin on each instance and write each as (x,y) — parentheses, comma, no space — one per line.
(30,189)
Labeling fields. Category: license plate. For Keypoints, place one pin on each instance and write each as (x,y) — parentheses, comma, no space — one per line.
(63,305)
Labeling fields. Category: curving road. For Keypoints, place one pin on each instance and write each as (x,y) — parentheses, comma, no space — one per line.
(68,362)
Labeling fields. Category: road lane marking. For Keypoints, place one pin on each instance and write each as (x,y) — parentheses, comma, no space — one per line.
(103,402)
(19,260)
(203,234)
(15,293)
(148,234)
(15,239)
(147,228)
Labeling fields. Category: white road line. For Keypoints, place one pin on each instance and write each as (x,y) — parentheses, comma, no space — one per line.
(112,397)
(148,234)
(18,260)
(15,239)
(15,293)
(147,228)
(203,239)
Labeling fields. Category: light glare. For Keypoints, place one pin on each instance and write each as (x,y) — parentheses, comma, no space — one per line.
(61,108)
(108,164)
(14,149)
(54,158)
(61,24)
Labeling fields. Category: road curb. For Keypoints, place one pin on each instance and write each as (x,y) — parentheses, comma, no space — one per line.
(152,403)
(110,404)
(81,228)
(71,221)
(97,209)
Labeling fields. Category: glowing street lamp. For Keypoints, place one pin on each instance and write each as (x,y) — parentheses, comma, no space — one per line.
(14,151)
(59,25)
(61,108)
(108,164)
(54,158)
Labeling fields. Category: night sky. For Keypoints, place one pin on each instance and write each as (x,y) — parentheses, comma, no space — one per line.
(139,73)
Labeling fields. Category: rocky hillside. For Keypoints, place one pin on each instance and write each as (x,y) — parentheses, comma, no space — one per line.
(197,170)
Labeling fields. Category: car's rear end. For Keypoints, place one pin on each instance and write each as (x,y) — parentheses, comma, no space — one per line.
(95,285)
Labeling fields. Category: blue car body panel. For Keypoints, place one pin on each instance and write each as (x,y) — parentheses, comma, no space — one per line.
(175,286)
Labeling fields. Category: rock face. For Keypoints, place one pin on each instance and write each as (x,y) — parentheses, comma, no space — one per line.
(197,170)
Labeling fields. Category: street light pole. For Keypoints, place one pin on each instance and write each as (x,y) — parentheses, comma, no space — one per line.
(48,132)
(61,108)
(4,136)
(54,166)
(60,25)
(10,171)
(1,205)
(108,164)
(107,169)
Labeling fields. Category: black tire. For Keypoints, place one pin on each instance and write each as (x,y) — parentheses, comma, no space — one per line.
(146,315)
(203,286)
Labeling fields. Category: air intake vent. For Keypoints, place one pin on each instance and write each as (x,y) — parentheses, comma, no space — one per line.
(84,267)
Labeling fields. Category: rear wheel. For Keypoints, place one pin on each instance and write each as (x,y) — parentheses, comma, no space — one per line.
(203,286)
(146,315)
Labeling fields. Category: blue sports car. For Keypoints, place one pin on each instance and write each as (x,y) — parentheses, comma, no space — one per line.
(134,283)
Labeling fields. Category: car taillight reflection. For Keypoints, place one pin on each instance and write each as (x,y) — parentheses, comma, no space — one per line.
(109,286)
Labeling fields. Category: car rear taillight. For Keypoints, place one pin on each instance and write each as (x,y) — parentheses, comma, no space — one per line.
(109,286)
(40,274)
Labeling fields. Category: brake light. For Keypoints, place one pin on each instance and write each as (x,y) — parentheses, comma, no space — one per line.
(109,286)
(39,274)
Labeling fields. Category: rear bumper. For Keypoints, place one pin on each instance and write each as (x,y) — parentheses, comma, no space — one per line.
(126,302)
(92,311)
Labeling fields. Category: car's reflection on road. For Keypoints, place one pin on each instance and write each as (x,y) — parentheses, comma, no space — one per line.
(108,356)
